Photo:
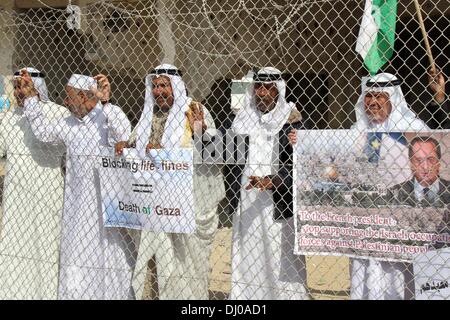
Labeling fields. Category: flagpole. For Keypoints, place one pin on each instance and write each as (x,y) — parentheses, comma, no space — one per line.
(425,36)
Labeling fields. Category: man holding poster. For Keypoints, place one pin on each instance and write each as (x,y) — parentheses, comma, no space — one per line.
(179,262)
(383,111)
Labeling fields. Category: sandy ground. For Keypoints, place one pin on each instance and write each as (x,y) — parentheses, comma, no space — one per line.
(328,277)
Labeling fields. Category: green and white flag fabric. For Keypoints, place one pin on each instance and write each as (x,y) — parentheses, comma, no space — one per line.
(376,36)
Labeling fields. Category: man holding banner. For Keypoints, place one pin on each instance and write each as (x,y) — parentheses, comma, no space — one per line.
(382,110)
(95,262)
(178,263)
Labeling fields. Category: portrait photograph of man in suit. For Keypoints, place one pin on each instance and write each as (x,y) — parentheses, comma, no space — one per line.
(427,187)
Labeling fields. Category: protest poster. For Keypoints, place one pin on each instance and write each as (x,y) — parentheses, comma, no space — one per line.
(154,192)
(369,202)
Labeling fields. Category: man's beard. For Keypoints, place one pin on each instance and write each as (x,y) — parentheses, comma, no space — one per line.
(264,105)
(78,112)
(163,103)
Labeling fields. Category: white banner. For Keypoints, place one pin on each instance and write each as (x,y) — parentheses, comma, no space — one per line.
(152,193)
(432,275)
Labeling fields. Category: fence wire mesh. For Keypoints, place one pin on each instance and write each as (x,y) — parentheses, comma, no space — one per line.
(268,164)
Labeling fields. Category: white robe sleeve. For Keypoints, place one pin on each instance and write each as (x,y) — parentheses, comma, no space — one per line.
(42,128)
(119,126)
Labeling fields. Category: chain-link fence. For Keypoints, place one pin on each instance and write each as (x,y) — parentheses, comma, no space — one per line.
(268,164)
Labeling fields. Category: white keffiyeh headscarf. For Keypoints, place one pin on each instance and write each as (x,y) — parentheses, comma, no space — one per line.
(250,120)
(38,80)
(402,118)
(175,124)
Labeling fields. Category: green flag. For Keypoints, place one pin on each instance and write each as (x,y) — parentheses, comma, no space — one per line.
(376,36)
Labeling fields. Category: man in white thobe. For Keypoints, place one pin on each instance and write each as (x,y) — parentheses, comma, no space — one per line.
(32,201)
(263,262)
(179,263)
(95,262)
(382,116)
